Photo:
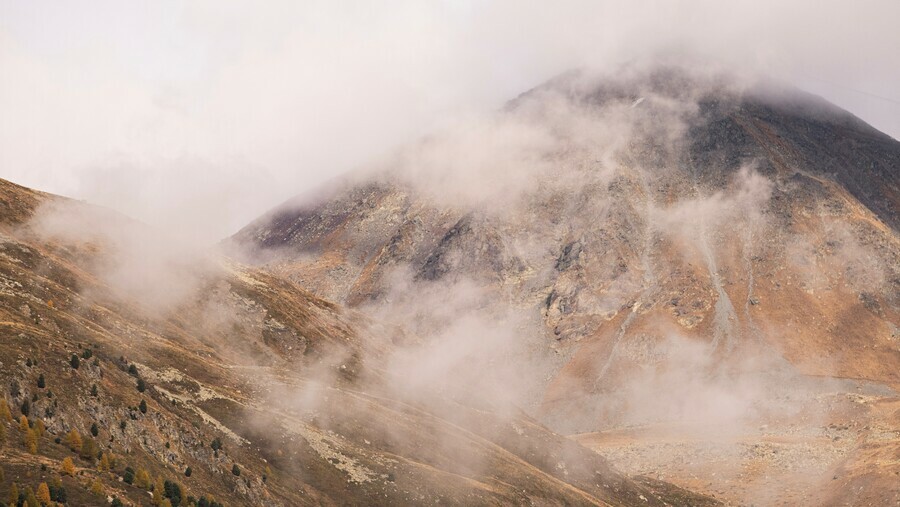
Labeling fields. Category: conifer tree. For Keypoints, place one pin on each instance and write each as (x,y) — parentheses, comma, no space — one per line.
(89,449)
(23,424)
(73,439)
(31,441)
(75,362)
(41,383)
(68,466)
(142,479)
(5,414)
(97,487)
(43,493)
(159,490)
(14,494)
(104,462)
(30,499)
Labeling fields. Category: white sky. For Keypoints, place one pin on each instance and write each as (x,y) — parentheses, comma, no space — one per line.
(199,116)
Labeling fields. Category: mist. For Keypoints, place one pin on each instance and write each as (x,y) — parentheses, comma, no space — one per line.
(198,118)
(544,253)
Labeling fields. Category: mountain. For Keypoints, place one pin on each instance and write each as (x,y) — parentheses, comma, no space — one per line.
(702,272)
(220,382)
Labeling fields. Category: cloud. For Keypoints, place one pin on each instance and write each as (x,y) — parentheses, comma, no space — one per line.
(234,102)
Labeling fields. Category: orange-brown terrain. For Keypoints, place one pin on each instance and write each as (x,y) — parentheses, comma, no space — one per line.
(138,372)
(702,275)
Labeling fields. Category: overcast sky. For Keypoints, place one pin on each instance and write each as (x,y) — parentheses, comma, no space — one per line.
(201,115)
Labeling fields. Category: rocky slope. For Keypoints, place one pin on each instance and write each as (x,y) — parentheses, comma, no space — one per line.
(686,249)
(222,383)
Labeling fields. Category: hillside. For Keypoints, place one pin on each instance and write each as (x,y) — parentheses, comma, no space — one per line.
(703,272)
(221,383)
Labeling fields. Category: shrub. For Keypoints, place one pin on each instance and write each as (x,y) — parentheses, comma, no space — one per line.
(133,370)
(75,362)
(141,385)
(235,470)
(188,472)
(87,354)
(216,444)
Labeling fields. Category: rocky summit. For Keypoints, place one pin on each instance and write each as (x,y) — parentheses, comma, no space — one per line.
(666,286)
(700,272)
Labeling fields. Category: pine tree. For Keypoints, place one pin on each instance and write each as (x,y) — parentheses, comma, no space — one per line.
(43,493)
(89,449)
(68,466)
(143,407)
(41,383)
(14,389)
(104,462)
(73,439)
(31,441)
(141,385)
(94,390)
(30,499)
(159,490)
(75,362)
(26,407)
(4,411)
(94,429)
(39,427)
(14,494)
(97,487)
(142,479)
(235,470)
(188,472)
